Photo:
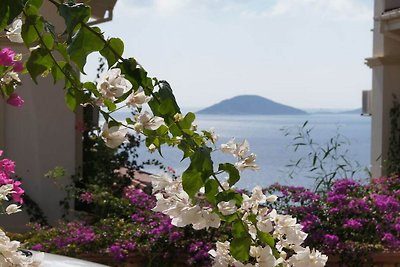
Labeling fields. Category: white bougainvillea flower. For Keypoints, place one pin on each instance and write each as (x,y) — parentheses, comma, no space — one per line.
(247,163)
(267,258)
(5,190)
(178,117)
(221,255)
(13,208)
(242,149)
(152,148)
(160,182)
(112,84)
(239,151)
(214,136)
(146,121)
(264,220)
(307,258)
(230,147)
(176,203)
(9,77)
(113,136)
(288,231)
(138,98)
(272,198)
(227,208)
(11,256)
(14,31)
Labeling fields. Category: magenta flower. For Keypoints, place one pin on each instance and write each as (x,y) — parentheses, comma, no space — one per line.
(331,240)
(353,224)
(7,167)
(7,57)
(15,100)
(18,66)
(86,197)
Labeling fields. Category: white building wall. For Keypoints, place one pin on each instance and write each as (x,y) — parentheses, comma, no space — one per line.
(385,64)
(39,136)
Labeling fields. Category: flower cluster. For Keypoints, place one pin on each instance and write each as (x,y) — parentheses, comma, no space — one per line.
(144,232)
(350,218)
(10,66)
(9,188)
(68,238)
(241,152)
(257,220)
(175,202)
(113,85)
(11,256)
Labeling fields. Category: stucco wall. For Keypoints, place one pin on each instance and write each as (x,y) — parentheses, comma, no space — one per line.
(38,137)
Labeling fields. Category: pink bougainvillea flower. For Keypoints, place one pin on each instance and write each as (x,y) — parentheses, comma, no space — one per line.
(17,192)
(7,57)
(18,66)
(15,100)
(87,197)
(7,166)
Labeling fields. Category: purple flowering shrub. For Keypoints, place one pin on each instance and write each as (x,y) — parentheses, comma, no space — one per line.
(349,218)
(136,231)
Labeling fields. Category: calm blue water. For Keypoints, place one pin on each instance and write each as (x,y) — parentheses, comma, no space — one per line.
(272,148)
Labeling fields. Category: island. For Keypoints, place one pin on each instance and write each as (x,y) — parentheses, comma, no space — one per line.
(250,105)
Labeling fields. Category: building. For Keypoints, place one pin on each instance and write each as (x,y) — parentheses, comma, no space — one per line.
(385,64)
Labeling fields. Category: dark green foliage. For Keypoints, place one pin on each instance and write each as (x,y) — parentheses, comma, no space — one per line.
(393,162)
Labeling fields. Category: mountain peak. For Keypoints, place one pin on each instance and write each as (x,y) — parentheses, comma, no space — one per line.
(250,105)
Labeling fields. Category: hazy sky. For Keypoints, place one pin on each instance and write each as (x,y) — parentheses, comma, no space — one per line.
(304,53)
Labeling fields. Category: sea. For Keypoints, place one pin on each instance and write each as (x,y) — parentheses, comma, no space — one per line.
(273,137)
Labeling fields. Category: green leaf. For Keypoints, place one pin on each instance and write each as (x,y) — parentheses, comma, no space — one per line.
(83,43)
(49,28)
(228,195)
(187,121)
(32,7)
(56,72)
(110,105)
(164,103)
(29,32)
(74,97)
(4,14)
(162,130)
(73,15)
(240,248)
(114,45)
(211,190)
(174,130)
(70,99)
(234,175)
(186,148)
(266,238)
(74,76)
(62,49)
(199,170)
(48,40)
(92,88)
(238,229)
(39,62)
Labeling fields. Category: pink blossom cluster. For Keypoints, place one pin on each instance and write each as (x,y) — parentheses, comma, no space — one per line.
(9,74)
(351,217)
(7,59)
(7,168)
